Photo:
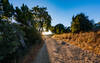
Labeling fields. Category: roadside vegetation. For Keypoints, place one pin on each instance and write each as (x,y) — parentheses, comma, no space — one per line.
(20,32)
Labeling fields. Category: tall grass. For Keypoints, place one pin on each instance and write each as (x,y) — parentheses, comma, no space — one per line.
(87,41)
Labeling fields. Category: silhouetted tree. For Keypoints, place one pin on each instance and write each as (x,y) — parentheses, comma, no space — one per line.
(7,8)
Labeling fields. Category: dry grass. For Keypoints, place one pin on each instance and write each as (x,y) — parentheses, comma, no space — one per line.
(87,41)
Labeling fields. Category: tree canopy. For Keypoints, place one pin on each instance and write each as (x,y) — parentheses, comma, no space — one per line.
(58,29)
(7,8)
(81,23)
(41,17)
(23,15)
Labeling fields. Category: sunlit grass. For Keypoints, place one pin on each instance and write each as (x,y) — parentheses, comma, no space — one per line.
(87,41)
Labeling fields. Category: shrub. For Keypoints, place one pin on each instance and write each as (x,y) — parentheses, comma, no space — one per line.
(8,39)
(31,35)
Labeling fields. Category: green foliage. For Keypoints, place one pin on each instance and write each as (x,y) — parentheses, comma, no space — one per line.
(58,29)
(81,23)
(31,35)
(7,8)
(8,39)
(11,34)
(14,35)
(23,15)
(42,18)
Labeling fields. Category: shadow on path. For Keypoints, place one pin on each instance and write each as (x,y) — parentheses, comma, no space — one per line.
(42,56)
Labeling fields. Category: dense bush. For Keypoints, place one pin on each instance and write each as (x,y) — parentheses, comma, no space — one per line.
(11,45)
(31,35)
(9,40)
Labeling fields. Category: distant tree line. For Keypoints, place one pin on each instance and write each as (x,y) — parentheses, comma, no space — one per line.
(60,28)
(80,23)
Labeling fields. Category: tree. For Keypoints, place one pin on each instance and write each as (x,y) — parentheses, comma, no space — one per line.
(42,18)
(7,8)
(59,28)
(81,23)
(23,15)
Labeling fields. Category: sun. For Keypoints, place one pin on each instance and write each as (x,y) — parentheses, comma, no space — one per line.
(47,33)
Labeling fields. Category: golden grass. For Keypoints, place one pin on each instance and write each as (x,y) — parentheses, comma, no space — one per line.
(87,41)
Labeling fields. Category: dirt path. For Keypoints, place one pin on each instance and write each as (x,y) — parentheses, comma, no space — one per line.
(42,56)
(62,52)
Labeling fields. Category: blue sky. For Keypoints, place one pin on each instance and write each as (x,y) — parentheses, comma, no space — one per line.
(62,11)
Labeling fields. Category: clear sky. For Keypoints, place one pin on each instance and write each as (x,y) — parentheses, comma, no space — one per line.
(62,11)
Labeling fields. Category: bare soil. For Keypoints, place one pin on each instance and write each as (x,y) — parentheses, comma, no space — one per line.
(63,52)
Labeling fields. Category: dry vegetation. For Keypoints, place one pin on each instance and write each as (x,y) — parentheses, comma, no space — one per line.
(87,41)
